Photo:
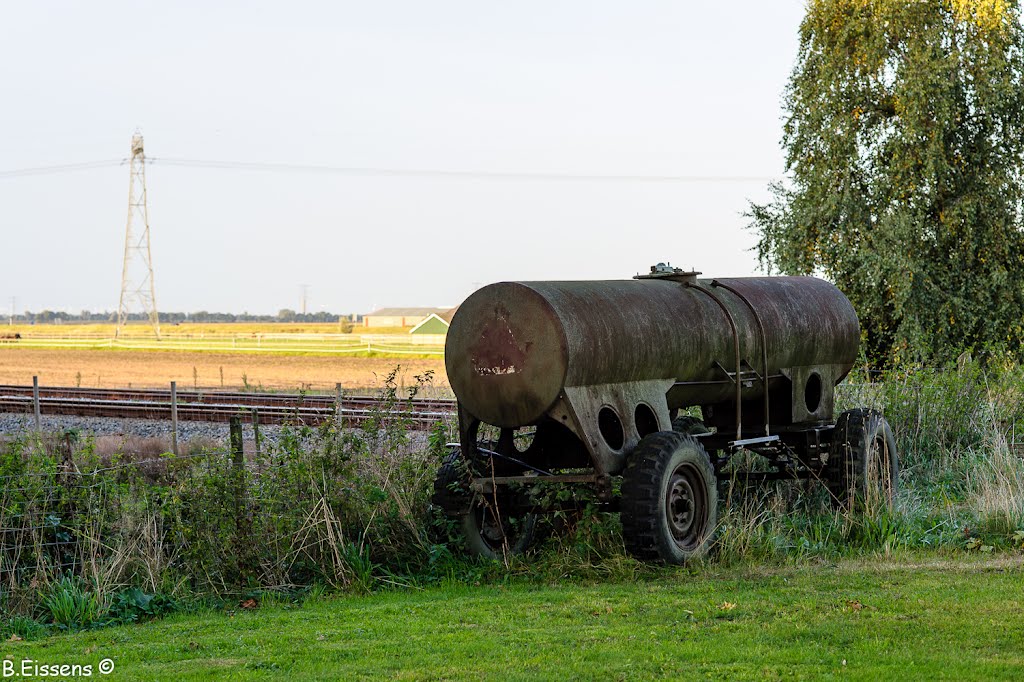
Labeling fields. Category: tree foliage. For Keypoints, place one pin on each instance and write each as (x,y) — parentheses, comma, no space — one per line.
(904,135)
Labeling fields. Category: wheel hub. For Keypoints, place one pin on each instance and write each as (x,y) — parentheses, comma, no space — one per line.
(492,530)
(685,506)
(682,505)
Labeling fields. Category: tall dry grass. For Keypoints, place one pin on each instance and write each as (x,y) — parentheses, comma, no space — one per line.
(961,470)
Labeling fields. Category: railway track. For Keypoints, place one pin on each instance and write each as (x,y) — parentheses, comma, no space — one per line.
(216,406)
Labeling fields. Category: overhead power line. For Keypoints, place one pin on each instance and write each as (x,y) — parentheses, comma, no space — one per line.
(62,168)
(395,172)
(452,174)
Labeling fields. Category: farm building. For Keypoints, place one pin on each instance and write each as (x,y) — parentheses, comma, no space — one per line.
(435,323)
(400,317)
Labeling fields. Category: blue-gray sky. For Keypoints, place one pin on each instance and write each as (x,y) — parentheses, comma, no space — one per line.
(589,87)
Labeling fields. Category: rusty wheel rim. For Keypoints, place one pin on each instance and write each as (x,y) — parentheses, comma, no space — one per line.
(492,530)
(686,506)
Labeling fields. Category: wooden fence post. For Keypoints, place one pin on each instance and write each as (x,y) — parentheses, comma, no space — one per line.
(337,403)
(256,431)
(235,427)
(242,539)
(237,466)
(174,418)
(35,403)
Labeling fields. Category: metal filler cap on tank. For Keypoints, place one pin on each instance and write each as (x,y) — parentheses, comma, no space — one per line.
(666,271)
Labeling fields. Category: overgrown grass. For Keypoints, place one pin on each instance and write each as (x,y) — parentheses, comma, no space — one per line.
(962,474)
(346,508)
(87,537)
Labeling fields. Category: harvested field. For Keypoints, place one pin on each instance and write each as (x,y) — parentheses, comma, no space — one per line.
(231,370)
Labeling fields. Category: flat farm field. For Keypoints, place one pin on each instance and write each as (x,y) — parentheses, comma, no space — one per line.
(105,329)
(262,339)
(156,369)
(255,356)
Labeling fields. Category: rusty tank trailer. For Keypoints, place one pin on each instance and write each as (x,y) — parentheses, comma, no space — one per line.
(585,383)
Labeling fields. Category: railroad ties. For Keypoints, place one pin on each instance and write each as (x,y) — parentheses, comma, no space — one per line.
(218,406)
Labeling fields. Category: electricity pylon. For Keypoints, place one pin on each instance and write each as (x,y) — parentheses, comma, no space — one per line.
(137,284)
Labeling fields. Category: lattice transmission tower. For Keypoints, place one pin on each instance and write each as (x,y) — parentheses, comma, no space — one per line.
(138,290)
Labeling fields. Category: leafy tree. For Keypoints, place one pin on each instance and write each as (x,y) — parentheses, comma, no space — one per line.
(904,135)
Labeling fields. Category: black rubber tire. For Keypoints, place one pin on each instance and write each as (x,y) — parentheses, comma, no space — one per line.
(482,532)
(669,499)
(863,470)
(451,486)
(691,426)
(487,536)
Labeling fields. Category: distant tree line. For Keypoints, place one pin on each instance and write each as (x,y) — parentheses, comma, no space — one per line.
(283,315)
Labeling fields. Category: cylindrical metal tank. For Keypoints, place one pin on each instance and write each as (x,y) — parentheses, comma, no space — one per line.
(513,346)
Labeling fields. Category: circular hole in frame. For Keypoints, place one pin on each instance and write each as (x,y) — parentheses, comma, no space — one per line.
(610,426)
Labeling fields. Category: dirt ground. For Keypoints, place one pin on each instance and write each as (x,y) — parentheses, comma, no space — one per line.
(125,369)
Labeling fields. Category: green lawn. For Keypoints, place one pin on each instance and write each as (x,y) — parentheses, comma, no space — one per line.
(924,618)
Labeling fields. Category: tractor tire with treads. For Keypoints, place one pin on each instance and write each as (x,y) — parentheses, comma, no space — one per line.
(669,499)
(491,525)
(863,468)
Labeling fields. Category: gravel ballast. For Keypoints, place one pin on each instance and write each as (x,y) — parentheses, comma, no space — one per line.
(13,425)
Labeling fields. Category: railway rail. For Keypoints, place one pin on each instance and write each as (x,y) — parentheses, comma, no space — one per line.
(216,405)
